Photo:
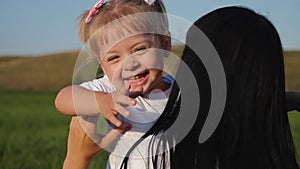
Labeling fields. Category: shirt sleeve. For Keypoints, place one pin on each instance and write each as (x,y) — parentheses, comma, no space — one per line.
(101,85)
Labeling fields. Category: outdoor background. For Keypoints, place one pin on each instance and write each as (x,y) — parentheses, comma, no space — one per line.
(39,46)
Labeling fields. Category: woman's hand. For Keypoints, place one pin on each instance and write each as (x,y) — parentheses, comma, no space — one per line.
(82,147)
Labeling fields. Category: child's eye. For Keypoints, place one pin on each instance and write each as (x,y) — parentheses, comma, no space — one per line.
(140,50)
(113,58)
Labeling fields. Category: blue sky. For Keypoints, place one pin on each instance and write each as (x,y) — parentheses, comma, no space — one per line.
(35,27)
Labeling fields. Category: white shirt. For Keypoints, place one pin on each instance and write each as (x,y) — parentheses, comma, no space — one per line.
(143,116)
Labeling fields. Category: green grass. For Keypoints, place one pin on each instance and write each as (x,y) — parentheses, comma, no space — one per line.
(294,118)
(33,134)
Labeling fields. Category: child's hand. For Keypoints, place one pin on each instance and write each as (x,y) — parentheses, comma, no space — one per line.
(81,148)
(112,104)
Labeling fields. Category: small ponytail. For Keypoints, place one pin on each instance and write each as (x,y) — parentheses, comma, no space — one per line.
(83,27)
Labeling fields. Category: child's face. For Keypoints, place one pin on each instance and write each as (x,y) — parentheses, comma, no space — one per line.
(137,61)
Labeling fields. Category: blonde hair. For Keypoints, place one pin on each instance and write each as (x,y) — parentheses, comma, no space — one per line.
(116,9)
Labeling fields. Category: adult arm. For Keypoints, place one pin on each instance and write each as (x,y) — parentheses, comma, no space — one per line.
(81,148)
(293,100)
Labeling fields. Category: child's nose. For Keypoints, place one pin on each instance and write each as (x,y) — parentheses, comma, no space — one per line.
(130,64)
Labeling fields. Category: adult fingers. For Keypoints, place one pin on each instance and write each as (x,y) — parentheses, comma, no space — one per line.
(113,135)
(89,124)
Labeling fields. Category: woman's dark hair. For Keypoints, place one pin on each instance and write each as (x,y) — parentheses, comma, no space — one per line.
(254,131)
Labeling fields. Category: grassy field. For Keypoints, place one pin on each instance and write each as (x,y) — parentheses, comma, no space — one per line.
(294,118)
(40,73)
(33,134)
(292,70)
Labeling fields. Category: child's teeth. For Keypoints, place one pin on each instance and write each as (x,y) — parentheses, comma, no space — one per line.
(135,77)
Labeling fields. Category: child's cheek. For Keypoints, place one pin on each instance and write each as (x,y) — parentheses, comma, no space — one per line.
(152,59)
(115,76)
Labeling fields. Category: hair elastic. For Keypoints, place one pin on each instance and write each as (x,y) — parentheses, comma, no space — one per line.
(150,2)
(94,10)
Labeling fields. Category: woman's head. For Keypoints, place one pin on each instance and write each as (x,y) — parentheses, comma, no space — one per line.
(254,130)
(250,50)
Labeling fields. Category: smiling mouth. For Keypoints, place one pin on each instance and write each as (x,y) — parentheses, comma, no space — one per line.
(138,79)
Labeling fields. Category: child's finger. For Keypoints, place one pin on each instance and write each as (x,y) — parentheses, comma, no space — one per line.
(124,127)
(124,89)
(122,110)
(111,117)
(133,93)
(123,99)
(130,92)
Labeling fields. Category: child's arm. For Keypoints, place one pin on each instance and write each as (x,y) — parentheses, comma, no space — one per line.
(293,100)
(73,100)
(76,100)
(82,149)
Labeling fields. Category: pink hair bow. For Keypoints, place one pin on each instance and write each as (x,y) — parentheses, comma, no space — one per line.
(94,10)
